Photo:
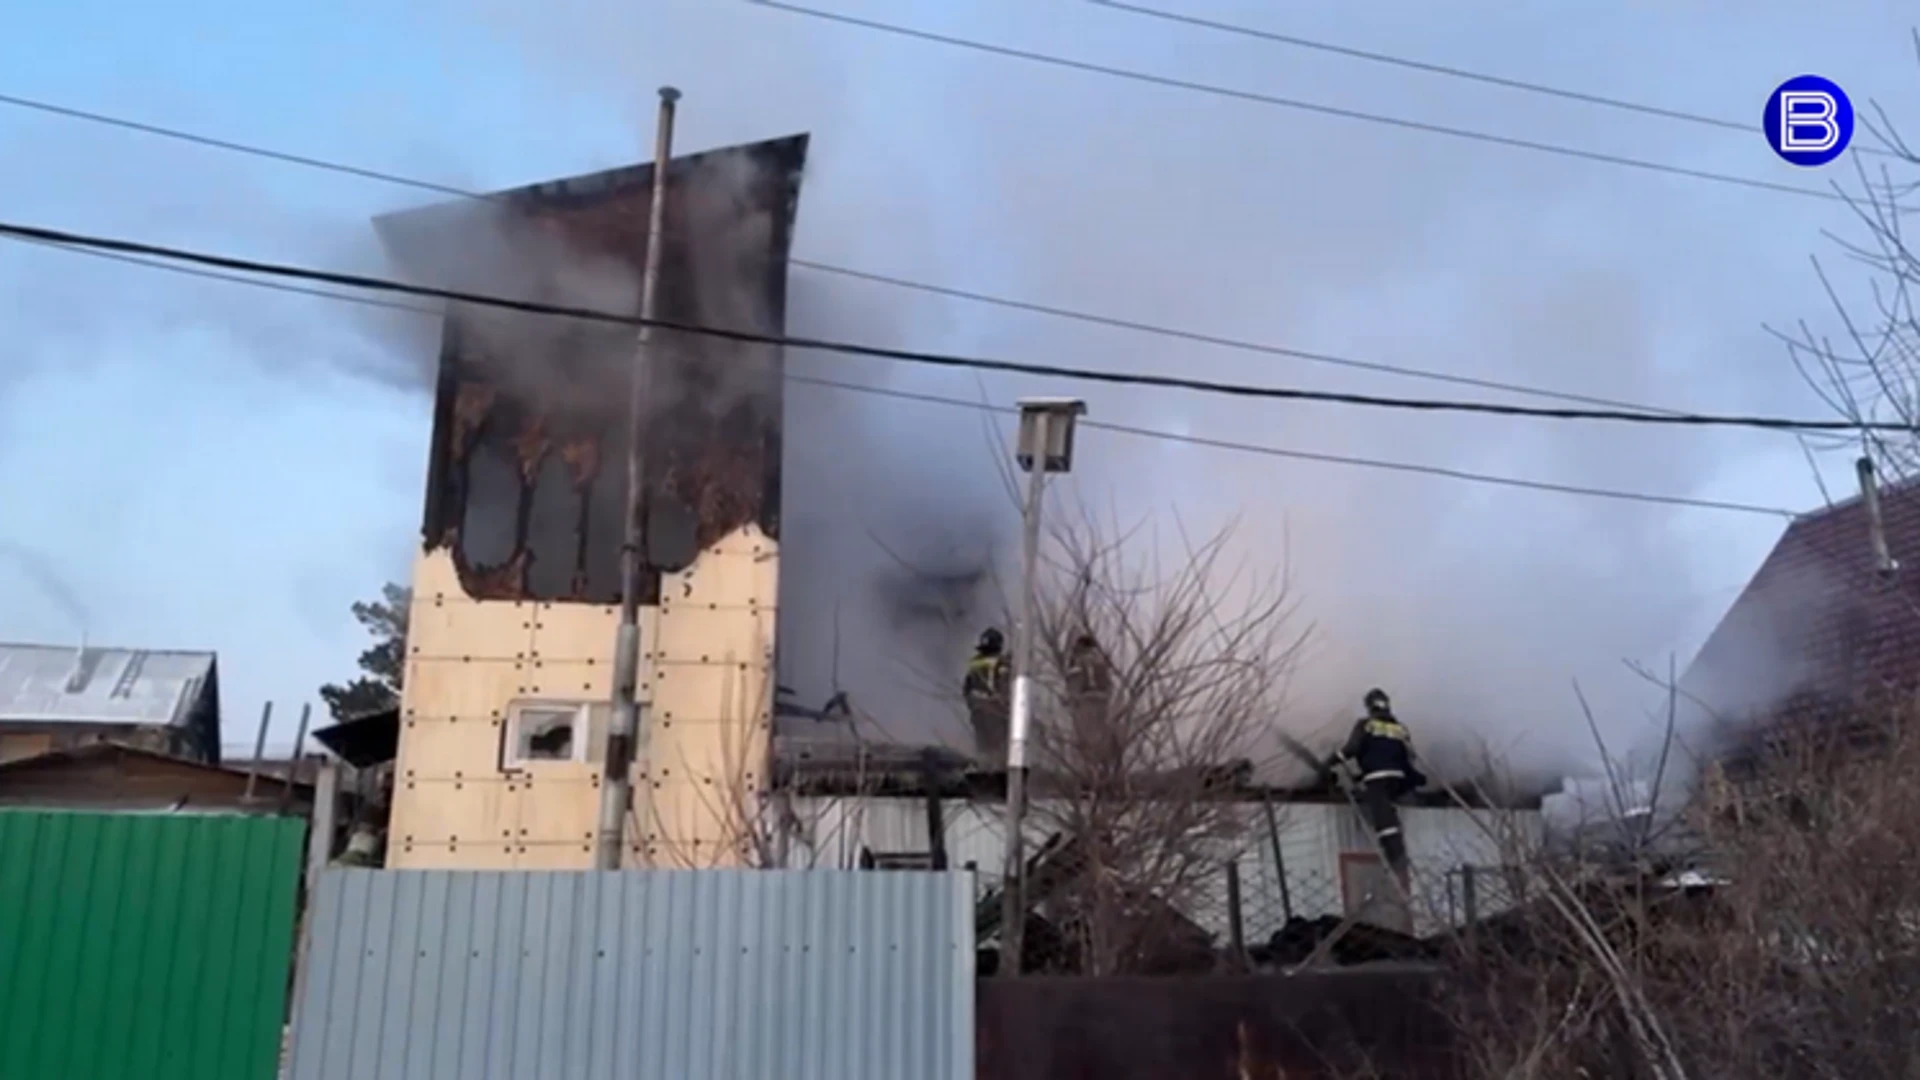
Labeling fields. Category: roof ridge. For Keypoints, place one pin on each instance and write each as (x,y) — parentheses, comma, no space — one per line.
(1904,486)
(91,647)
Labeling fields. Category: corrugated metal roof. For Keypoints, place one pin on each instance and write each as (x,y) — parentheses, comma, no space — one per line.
(138,945)
(668,974)
(48,683)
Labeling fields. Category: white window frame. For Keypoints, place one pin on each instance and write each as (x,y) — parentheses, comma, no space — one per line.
(584,730)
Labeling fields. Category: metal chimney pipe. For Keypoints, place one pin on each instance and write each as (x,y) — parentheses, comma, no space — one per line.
(616,784)
(1883,561)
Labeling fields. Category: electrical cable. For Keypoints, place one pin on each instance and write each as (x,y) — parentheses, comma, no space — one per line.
(1091,318)
(906,395)
(1302,105)
(1448,70)
(932,359)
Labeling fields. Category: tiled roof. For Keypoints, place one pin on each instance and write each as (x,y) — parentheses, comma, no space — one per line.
(64,684)
(1817,622)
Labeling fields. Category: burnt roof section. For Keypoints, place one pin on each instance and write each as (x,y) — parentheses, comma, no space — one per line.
(526,477)
(1817,626)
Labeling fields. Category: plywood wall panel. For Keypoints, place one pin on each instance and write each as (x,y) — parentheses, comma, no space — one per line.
(449,748)
(707,680)
(445,622)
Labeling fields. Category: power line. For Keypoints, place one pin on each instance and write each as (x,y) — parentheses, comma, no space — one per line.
(223,144)
(1010,303)
(1343,459)
(1303,105)
(932,359)
(1318,457)
(1243,344)
(1427,66)
(1448,70)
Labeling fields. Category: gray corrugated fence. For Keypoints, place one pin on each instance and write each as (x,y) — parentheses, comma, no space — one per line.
(637,975)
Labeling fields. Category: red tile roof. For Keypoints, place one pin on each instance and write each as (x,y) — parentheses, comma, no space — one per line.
(1818,625)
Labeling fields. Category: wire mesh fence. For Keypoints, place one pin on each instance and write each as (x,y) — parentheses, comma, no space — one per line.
(1264,910)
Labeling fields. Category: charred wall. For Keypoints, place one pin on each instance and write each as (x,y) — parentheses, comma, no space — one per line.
(527,474)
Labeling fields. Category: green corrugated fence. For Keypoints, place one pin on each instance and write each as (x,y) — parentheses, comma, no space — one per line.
(140,945)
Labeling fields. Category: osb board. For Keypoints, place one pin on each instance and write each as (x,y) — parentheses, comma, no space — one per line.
(582,633)
(745,573)
(463,689)
(570,680)
(706,673)
(448,748)
(710,666)
(445,622)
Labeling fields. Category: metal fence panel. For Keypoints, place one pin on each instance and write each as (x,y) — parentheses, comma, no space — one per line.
(144,945)
(637,975)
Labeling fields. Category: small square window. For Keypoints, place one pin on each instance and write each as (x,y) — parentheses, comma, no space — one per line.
(546,731)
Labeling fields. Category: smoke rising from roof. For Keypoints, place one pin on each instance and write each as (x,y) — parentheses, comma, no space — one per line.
(1477,607)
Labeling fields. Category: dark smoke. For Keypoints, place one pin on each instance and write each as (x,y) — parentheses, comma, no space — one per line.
(39,568)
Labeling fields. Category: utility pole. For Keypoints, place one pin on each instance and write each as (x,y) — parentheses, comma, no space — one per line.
(616,783)
(1045,445)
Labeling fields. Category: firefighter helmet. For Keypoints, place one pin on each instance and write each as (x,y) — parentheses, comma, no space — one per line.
(1376,701)
(991,641)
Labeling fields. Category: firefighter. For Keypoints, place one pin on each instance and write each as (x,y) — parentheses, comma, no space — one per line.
(1381,751)
(985,689)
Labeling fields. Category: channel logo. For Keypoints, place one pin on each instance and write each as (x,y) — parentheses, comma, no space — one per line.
(1809,121)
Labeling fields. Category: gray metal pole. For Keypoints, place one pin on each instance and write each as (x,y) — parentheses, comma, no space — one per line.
(259,750)
(1013,881)
(324,823)
(616,786)
(1236,918)
(293,765)
(1279,860)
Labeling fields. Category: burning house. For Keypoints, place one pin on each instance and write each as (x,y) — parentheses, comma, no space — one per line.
(517,582)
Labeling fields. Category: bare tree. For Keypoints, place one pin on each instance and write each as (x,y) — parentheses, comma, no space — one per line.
(1156,678)
(740,815)
(1775,932)
(1872,371)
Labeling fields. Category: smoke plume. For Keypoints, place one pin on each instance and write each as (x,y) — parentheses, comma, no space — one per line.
(1478,607)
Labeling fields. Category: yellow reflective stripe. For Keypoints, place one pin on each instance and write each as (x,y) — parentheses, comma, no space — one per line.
(1387,729)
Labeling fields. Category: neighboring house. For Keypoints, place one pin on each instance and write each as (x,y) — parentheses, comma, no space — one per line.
(516,586)
(1819,629)
(57,697)
(105,776)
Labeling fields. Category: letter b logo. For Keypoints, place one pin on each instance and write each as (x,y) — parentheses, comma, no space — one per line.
(1808,121)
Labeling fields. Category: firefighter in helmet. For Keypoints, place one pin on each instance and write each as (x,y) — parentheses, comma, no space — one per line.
(1380,750)
(986,692)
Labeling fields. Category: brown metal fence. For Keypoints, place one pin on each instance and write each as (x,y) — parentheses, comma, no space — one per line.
(1338,1025)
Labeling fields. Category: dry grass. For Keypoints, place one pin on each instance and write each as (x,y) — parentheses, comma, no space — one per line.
(1802,960)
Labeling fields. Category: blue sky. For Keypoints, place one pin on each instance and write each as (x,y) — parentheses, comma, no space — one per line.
(211,466)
